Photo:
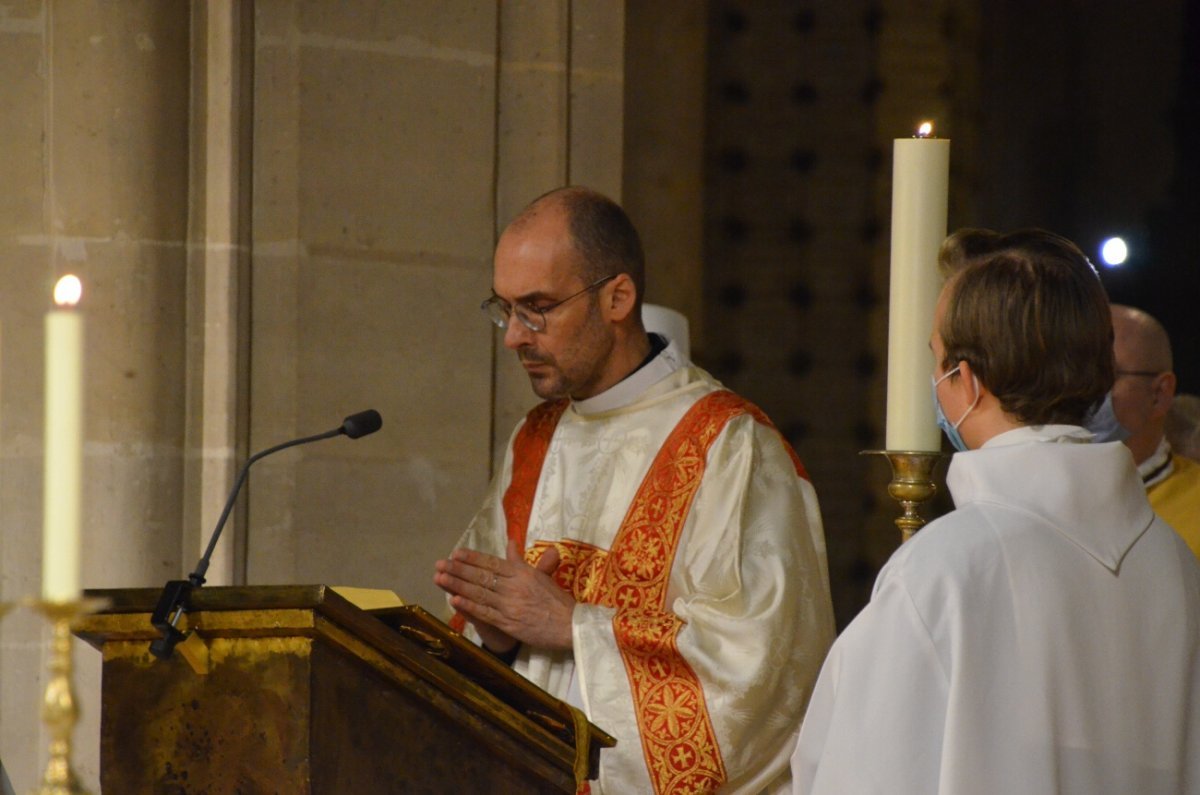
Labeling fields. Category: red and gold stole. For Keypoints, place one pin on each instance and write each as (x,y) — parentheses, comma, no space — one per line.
(678,740)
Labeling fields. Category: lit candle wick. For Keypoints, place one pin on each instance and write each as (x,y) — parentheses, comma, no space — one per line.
(68,290)
(925,130)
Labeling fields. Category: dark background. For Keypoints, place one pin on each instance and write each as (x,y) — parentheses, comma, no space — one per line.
(1075,117)
(1102,98)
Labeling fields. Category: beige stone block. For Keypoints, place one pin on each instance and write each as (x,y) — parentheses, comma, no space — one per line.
(274,401)
(21,541)
(404,337)
(22,94)
(21,12)
(118,118)
(448,25)
(395,151)
(596,136)
(597,95)
(276,125)
(533,33)
(382,524)
(134,305)
(22,679)
(132,523)
(598,36)
(532,152)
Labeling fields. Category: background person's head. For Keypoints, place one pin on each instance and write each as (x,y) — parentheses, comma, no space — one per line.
(572,266)
(1026,315)
(1145,385)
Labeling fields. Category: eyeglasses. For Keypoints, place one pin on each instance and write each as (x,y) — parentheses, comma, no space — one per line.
(534,317)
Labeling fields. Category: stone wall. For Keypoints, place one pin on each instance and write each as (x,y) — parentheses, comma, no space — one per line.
(283,213)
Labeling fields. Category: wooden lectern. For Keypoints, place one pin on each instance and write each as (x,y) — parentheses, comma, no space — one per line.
(293,689)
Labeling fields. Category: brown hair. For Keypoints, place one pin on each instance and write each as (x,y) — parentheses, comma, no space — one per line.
(1028,312)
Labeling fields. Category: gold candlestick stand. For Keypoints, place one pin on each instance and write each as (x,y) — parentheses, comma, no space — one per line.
(912,484)
(60,710)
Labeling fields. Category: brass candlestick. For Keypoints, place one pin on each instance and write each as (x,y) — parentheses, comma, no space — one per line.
(912,484)
(60,710)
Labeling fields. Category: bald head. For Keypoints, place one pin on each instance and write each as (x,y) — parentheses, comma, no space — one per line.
(1139,341)
(600,233)
(1145,385)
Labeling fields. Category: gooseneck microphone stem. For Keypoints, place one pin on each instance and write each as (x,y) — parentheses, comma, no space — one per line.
(197,576)
(174,601)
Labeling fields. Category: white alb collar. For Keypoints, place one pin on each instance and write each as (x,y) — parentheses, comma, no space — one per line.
(631,387)
(1159,466)
(1060,434)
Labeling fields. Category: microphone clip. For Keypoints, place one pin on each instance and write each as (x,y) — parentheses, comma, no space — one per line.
(172,604)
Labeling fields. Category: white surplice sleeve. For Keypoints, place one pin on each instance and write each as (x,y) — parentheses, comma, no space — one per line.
(876,720)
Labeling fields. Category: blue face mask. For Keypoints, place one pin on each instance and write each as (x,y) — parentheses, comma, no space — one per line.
(951,430)
(1102,422)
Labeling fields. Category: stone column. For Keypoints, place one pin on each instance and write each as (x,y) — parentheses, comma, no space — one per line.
(218,283)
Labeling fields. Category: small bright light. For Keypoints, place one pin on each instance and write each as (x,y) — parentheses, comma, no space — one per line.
(68,291)
(1114,252)
(925,130)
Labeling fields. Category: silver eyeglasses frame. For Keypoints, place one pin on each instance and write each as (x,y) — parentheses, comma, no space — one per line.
(500,311)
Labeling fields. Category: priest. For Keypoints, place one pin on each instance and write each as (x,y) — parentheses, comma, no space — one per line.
(1045,635)
(651,550)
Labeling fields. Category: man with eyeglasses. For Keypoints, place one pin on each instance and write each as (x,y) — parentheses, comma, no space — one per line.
(1142,398)
(652,549)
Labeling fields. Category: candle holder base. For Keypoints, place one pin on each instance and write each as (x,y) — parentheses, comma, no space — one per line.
(60,710)
(912,485)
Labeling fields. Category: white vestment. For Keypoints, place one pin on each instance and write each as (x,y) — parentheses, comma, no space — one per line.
(1044,637)
(748,580)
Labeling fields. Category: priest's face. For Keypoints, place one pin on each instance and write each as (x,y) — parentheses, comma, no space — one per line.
(536,265)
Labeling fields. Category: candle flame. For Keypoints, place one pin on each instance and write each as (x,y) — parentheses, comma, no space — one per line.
(68,291)
(925,130)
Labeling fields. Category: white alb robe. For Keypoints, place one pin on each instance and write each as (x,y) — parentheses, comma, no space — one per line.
(1042,638)
(749,579)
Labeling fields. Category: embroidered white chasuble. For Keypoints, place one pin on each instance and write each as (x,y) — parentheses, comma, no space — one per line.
(702,675)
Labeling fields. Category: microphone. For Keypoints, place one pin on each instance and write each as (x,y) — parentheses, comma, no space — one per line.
(175,596)
(364,423)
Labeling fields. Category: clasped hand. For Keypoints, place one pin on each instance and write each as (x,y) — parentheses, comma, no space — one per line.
(507,600)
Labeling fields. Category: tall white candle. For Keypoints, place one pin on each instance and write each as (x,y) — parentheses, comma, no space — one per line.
(920,194)
(63,481)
